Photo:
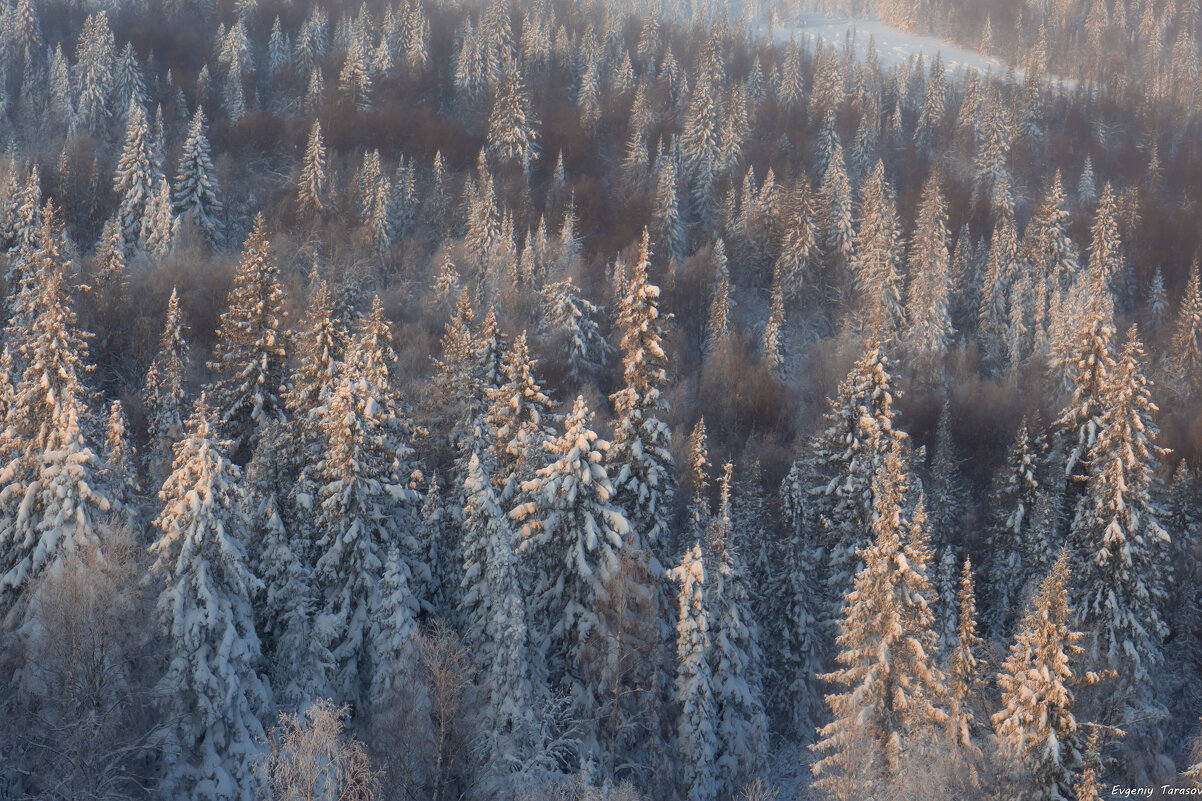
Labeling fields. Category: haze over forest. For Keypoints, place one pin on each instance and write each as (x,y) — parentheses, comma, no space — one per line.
(561,400)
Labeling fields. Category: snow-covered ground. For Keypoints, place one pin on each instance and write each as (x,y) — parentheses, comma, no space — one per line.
(893,46)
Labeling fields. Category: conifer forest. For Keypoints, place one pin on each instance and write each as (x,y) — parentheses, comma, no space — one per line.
(600,400)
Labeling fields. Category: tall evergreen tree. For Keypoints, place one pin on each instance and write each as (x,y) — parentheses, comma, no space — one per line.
(893,691)
(857,435)
(212,676)
(641,458)
(53,503)
(695,727)
(134,179)
(196,188)
(929,295)
(1117,535)
(572,533)
(876,263)
(311,196)
(249,355)
(741,722)
(495,610)
(1036,728)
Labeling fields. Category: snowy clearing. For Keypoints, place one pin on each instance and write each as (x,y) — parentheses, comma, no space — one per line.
(894,47)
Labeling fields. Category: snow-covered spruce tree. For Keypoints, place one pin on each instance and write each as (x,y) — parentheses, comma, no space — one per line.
(929,294)
(1106,262)
(571,318)
(1051,254)
(295,641)
(737,668)
(212,677)
(1012,512)
(836,219)
(695,729)
(795,605)
(159,224)
(134,180)
(163,392)
(892,691)
(670,233)
(120,464)
(195,191)
(1184,362)
(519,417)
(354,518)
(1036,729)
(53,503)
(717,327)
(571,533)
(441,548)
(1002,273)
(458,389)
(1090,365)
(363,503)
(700,148)
(965,682)
(392,639)
(311,189)
(512,126)
(1156,302)
(320,347)
(641,458)
(945,487)
(494,610)
(1117,537)
(375,199)
(21,221)
(876,263)
(248,358)
(856,437)
(772,343)
(800,250)
(95,57)
(698,511)
(944,583)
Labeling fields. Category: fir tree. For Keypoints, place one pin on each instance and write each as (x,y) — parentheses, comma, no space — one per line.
(494,609)
(1116,532)
(1012,508)
(249,356)
(1185,359)
(695,727)
(735,652)
(512,135)
(965,682)
(857,436)
(893,691)
(1036,728)
(196,187)
(95,58)
(571,318)
(311,184)
(53,503)
(159,224)
(929,295)
(132,182)
(519,417)
(163,392)
(835,208)
(393,628)
(573,532)
(212,676)
(641,458)
(876,264)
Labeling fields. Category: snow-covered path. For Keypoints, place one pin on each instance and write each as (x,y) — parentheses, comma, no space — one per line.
(894,47)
